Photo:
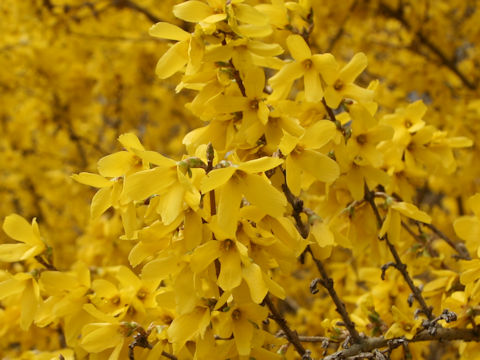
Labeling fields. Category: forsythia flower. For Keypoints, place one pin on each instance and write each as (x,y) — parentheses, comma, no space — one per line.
(19,229)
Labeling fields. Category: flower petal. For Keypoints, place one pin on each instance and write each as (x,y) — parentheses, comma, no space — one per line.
(168,31)
(298,48)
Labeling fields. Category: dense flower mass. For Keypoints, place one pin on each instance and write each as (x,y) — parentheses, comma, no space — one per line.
(299,209)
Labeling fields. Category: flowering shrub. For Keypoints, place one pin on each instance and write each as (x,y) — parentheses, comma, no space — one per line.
(311,215)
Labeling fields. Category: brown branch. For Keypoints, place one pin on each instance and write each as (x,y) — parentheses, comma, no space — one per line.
(327,283)
(238,79)
(457,246)
(397,14)
(370,344)
(399,265)
(291,335)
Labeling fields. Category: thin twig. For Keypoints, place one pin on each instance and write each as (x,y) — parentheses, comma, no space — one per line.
(459,247)
(399,265)
(291,335)
(328,284)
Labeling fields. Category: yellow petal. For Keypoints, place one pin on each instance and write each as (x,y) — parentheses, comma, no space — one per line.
(355,66)
(228,104)
(260,165)
(230,270)
(30,301)
(145,183)
(171,203)
(192,11)
(228,209)
(467,228)
(355,182)
(322,234)
(160,269)
(298,48)
(327,66)
(412,212)
(156,158)
(129,220)
(243,334)
(192,231)
(18,252)
(130,141)
(97,337)
(262,194)
(313,86)
(248,14)
(116,164)
(204,255)
(101,201)
(319,134)
(333,97)
(254,82)
(294,175)
(386,224)
(90,179)
(11,287)
(282,81)
(19,229)
(173,60)
(169,31)
(254,279)
(181,329)
(319,165)
(216,178)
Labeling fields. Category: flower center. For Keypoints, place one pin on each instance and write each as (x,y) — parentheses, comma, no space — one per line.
(236,314)
(361,139)
(338,85)
(307,64)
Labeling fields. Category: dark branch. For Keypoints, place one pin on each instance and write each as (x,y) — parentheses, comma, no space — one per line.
(291,335)
(370,344)
(399,265)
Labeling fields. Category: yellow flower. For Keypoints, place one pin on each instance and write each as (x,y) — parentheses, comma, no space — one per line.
(404,325)
(97,337)
(19,229)
(188,51)
(253,107)
(188,326)
(242,179)
(302,157)
(340,82)
(305,64)
(26,288)
(242,320)
(392,222)
(366,135)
